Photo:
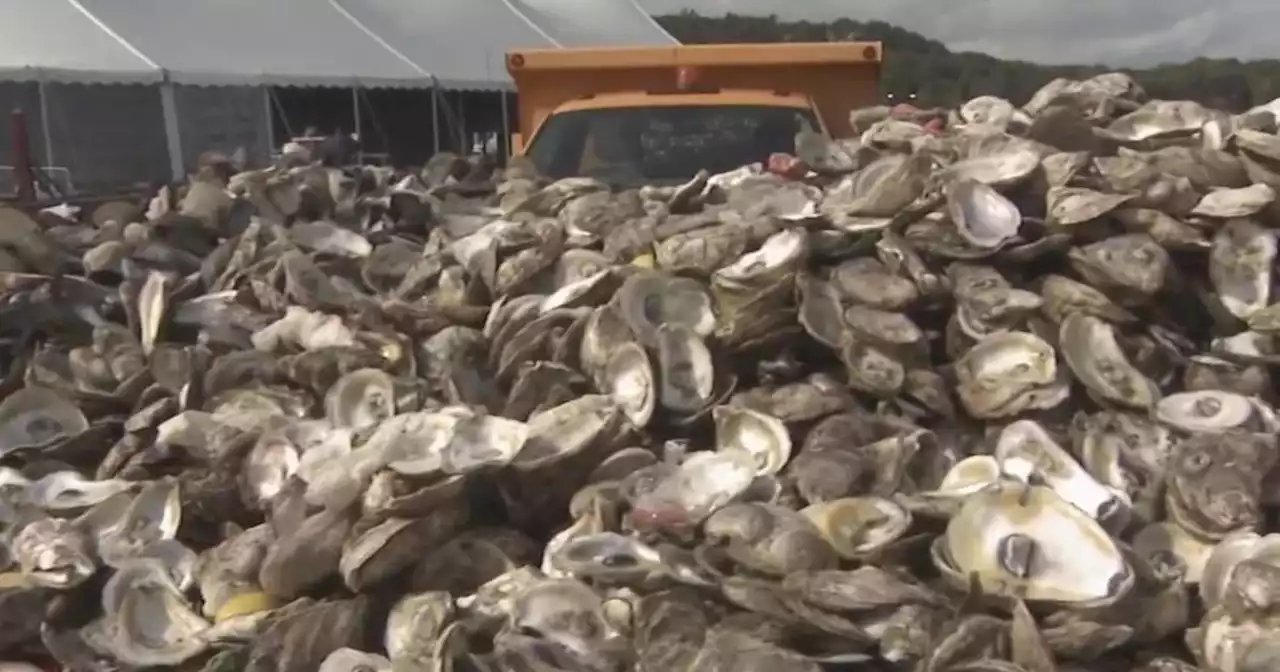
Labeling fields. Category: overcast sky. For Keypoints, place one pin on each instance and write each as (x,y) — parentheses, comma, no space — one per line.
(1117,32)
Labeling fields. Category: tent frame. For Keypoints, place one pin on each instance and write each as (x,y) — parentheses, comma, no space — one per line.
(45,132)
(172,132)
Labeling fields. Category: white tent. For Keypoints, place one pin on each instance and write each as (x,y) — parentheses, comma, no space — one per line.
(203,70)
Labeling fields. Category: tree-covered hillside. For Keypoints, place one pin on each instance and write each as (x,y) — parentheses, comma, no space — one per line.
(939,76)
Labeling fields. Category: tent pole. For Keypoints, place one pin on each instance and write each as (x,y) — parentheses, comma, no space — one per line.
(172,136)
(506,128)
(267,115)
(284,116)
(355,113)
(463,147)
(435,119)
(45,134)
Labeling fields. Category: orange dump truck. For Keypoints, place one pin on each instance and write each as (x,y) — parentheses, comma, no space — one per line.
(652,115)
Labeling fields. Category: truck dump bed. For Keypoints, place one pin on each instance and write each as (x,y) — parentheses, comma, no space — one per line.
(836,76)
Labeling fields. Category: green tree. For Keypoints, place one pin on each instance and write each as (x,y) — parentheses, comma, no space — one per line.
(939,76)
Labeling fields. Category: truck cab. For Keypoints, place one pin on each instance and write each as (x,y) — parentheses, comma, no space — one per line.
(658,115)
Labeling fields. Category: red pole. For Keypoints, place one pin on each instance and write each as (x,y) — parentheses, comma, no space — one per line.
(22,158)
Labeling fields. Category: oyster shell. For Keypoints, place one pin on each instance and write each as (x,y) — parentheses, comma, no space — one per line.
(1026,452)
(1007,373)
(35,416)
(632,382)
(1025,541)
(762,436)
(1090,348)
(148,621)
(981,215)
(859,527)
(533,421)
(1213,485)
(360,399)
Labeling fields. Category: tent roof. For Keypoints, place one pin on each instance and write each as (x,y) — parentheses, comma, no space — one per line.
(462,42)
(595,23)
(255,42)
(53,40)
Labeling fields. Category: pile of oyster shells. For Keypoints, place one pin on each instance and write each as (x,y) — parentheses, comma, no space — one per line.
(992,399)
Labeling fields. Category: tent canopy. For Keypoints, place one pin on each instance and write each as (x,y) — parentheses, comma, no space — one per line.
(255,42)
(53,40)
(463,41)
(595,23)
(459,44)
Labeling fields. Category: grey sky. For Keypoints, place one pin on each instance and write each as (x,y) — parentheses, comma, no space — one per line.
(1117,32)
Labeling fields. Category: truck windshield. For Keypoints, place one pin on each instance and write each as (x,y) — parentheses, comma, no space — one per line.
(653,145)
